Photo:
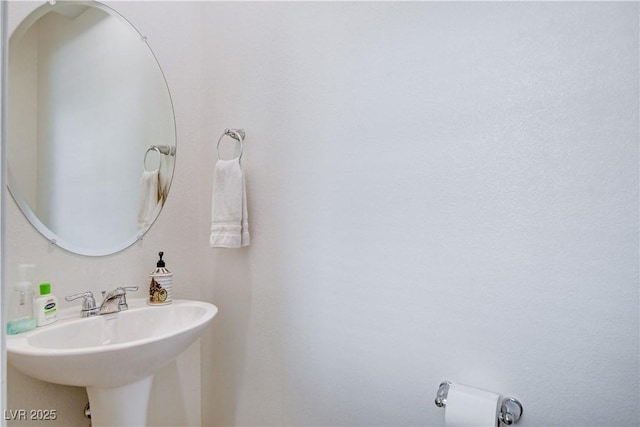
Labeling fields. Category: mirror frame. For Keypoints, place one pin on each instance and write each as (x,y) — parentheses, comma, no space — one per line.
(24,207)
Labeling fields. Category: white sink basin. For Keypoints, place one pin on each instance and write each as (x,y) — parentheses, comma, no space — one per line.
(116,353)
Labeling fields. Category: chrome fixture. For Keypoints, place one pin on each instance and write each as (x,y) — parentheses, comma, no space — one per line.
(510,408)
(88,303)
(510,411)
(237,134)
(114,301)
(167,150)
(441,395)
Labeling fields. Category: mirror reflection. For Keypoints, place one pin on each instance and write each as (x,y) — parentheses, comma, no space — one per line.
(91,131)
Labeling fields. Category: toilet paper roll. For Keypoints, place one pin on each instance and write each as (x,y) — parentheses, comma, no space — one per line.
(469,406)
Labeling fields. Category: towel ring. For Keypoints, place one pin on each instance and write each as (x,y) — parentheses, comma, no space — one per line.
(144,161)
(237,134)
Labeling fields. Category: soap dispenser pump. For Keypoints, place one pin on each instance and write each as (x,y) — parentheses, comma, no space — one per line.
(20,314)
(161,285)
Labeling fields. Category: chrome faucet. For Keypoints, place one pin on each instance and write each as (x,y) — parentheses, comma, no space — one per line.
(114,301)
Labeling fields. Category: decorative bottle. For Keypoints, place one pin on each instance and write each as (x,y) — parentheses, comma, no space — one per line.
(161,285)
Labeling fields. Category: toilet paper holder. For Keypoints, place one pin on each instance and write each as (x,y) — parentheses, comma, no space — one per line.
(510,407)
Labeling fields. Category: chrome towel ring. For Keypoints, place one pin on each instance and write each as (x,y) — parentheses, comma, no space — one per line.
(237,134)
(144,161)
(160,149)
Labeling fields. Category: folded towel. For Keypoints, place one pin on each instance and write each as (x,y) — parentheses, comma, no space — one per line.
(229,219)
(150,200)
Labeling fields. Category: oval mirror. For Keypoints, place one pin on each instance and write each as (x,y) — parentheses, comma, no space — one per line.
(91,138)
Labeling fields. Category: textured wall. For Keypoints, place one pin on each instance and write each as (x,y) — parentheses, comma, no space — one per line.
(436,191)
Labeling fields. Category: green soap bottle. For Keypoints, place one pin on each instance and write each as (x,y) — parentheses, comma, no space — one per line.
(45,306)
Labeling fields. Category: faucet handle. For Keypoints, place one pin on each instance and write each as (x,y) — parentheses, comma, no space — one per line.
(123,298)
(88,303)
(122,289)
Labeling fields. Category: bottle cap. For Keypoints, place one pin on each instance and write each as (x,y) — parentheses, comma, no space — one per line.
(45,288)
(160,262)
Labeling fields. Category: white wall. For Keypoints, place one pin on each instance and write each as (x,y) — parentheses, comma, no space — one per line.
(79,143)
(23,119)
(437,191)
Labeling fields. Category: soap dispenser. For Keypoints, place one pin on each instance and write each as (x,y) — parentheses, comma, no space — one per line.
(161,285)
(20,314)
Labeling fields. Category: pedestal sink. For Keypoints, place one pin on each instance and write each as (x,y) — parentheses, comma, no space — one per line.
(114,356)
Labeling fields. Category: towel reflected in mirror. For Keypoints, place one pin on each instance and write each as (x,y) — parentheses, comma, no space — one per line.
(151,198)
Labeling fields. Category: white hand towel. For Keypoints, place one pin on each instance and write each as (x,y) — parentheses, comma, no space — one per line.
(229,219)
(149,198)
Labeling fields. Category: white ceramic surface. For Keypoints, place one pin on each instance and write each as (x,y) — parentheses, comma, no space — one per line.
(111,350)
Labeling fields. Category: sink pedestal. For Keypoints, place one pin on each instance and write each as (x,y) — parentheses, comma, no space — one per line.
(120,406)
